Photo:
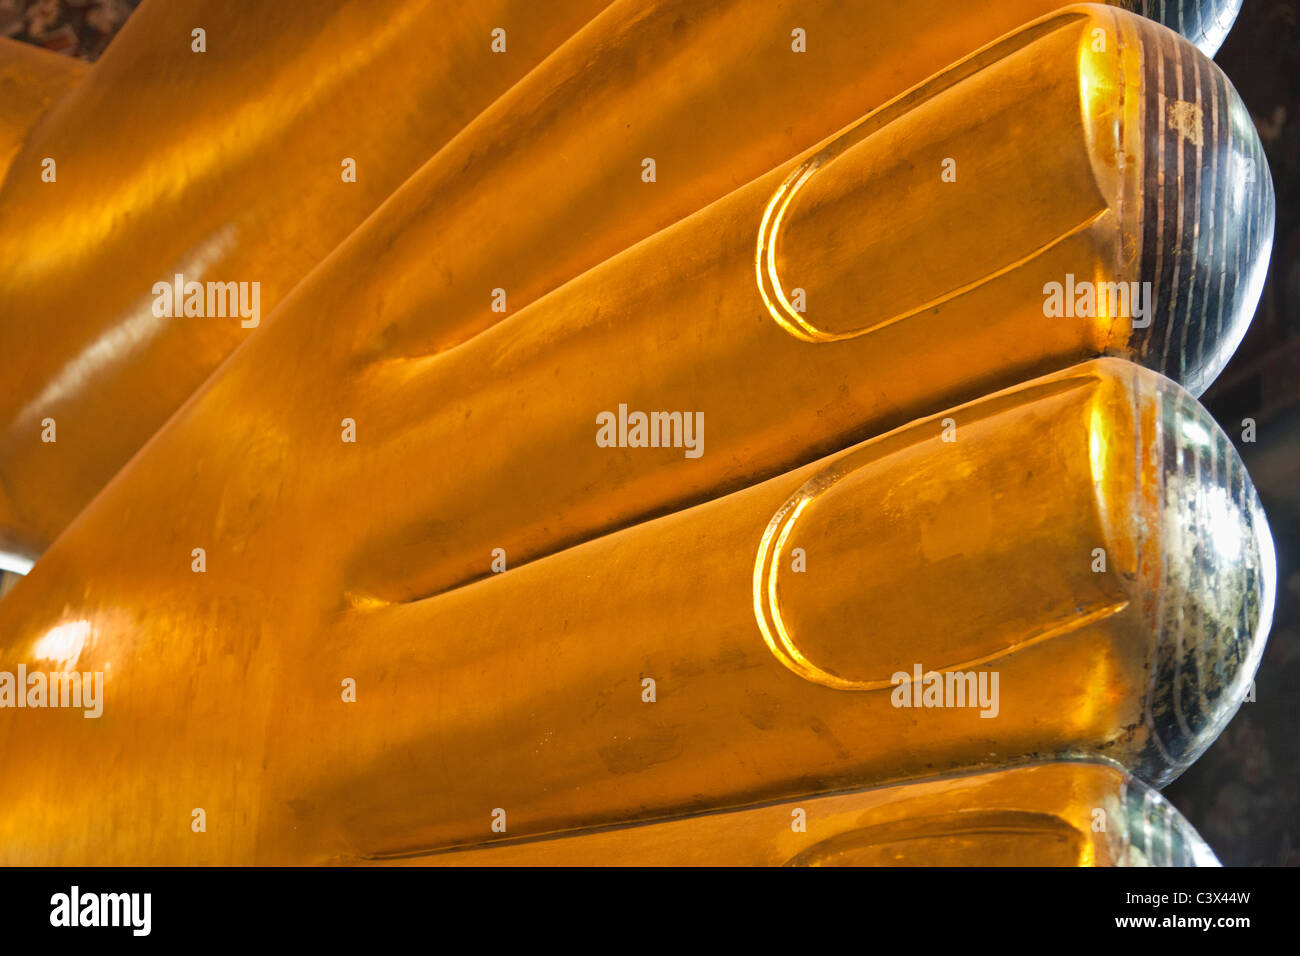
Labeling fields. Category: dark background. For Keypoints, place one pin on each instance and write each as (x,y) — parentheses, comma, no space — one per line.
(80,28)
(1244,794)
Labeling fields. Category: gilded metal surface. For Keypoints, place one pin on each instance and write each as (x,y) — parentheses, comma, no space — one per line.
(31,81)
(328,509)
(1047,815)
(523,691)
(224,166)
(221,165)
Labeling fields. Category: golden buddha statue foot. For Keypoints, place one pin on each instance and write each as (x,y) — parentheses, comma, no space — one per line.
(1059,814)
(635,440)
(1075,566)
(709,78)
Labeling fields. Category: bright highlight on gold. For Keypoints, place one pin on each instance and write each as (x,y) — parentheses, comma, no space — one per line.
(656,433)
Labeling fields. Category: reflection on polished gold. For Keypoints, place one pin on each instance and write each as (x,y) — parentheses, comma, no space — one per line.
(31,81)
(224,166)
(526,692)
(1062,814)
(976,555)
(935,291)
(405,575)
